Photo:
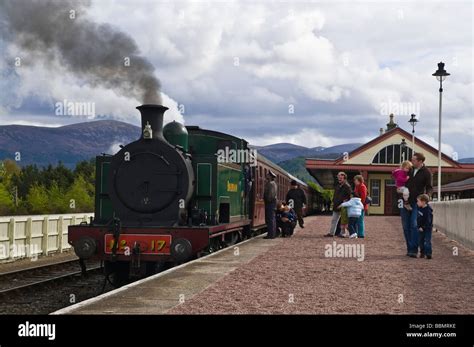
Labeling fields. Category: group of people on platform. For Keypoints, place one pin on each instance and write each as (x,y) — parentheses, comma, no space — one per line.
(281,217)
(413,181)
(349,208)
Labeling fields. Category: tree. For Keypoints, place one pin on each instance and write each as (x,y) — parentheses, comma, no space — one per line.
(11,167)
(86,169)
(48,189)
(80,196)
(26,178)
(37,200)
(59,174)
(58,202)
(6,201)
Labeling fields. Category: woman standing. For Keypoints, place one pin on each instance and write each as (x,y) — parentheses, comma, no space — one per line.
(361,191)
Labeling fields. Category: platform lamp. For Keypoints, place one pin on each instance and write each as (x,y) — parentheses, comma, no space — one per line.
(413,122)
(440,75)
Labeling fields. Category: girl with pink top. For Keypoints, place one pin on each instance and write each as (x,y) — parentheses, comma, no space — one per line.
(401,177)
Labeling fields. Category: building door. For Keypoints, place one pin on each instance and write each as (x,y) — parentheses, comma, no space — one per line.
(391,199)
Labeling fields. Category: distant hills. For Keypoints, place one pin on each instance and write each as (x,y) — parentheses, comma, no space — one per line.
(466,160)
(281,152)
(68,144)
(292,157)
(82,141)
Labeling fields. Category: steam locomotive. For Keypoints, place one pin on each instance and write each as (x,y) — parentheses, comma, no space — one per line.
(172,195)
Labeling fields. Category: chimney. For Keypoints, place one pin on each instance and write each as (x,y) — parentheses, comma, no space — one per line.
(391,124)
(152,117)
(381,131)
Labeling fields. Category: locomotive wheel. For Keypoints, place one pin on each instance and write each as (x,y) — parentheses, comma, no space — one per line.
(246,233)
(118,272)
(231,238)
(214,245)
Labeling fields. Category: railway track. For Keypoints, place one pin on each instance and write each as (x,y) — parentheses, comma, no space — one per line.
(30,277)
(45,289)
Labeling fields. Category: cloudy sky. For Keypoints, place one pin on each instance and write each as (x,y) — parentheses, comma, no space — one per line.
(311,73)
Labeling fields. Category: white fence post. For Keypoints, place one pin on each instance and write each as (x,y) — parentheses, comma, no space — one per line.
(11,238)
(60,234)
(28,231)
(45,233)
(36,233)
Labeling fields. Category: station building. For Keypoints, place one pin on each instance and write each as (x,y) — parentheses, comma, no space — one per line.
(375,161)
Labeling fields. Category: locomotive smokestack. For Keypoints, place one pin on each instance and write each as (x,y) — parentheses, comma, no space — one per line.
(152,117)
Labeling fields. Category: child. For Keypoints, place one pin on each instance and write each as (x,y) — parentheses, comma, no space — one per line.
(286,219)
(425,225)
(354,210)
(344,221)
(401,177)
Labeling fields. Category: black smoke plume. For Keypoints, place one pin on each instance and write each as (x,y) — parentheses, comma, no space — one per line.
(96,53)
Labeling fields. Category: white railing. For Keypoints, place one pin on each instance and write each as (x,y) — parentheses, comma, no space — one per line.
(31,236)
(455,219)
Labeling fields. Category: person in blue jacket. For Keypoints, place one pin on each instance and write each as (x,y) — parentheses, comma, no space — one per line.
(354,210)
(425,225)
(286,219)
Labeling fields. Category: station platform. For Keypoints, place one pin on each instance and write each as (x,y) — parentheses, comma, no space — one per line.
(306,274)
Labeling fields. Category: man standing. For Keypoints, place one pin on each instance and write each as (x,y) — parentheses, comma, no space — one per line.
(296,199)
(342,192)
(419,183)
(270,199)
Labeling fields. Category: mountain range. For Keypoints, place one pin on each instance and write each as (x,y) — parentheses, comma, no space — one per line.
(281,152)
(68,144)
(82,141)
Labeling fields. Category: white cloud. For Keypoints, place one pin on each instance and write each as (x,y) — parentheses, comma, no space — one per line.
(305,137)
(445,148)
(326,58)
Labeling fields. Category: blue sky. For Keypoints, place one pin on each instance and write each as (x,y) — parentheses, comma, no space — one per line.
(311,73)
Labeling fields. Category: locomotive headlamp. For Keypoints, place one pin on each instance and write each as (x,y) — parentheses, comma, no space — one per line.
(148,131)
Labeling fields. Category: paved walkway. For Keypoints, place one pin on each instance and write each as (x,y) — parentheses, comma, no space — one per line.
(302,274)
(297,276)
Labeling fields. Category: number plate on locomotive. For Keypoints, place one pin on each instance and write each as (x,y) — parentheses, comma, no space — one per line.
(149,244)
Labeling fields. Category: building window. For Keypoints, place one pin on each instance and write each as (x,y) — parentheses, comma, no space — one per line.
(390,183)
(375,192)
(393,154)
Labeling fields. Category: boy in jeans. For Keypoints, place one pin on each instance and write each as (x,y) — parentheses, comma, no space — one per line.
(425,225)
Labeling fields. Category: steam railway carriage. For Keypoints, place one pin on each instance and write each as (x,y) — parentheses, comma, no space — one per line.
(172,195)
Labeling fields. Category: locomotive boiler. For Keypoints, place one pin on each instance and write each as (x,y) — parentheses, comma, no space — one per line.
(150,181)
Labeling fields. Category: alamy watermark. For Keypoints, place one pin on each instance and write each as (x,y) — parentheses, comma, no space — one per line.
(28,329)
(346,250)
(399,108)
(230,155)
(20,251)
(74,108)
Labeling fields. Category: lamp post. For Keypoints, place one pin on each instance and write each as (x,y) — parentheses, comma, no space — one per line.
(413,122)
(440,75)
